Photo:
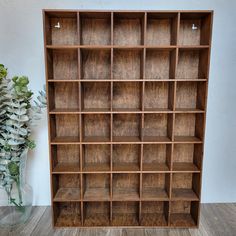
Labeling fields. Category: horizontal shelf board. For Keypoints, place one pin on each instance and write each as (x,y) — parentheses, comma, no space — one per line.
(124,220)
(186,139)
(126,110)
(193,47)
(125,167)
(125,80)
(160,167)
(121,139)
(181,220)
(65,139)
(184,194)
(125,194)
(94,139)
(160,139)
(153,219)
(185,167)
(96,110)
(154,194)
(97,219)
(67,194)
(66,168)
(188,110)
(64,111)
(96,167)
(96,194)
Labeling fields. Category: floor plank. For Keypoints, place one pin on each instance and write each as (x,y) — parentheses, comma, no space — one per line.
(215,220)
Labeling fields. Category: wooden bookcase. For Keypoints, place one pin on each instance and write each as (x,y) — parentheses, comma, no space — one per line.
(127,95)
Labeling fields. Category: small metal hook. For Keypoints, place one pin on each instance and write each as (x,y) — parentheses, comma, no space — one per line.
(194,27)
(58,26)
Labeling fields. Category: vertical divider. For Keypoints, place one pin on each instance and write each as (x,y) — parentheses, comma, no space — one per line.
(80,122)
(111,125)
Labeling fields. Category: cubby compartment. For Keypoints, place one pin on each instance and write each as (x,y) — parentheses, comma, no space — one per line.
(66,158)
(96,187)
(65,96)
(128,28)
(126,127)
(184,213)
(96,127)
(62,64)
(61,28)
(158,96)
(154,213)
(66,187)
(96,157)
(125,186)
(187,157)
(95,64)
(156,157)
(185,186)
(95,28)
(64,128)
(127,64)
(126,157)
(67,214)
(188,127)
(195,29)
(160,64)
(190,96)
(192,64)
(96,213)
(96,96)
(161,29)
(127,96)
(157,127)
(155,186)
(125,213)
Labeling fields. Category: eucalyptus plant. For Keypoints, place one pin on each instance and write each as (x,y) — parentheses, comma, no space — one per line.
(18,111)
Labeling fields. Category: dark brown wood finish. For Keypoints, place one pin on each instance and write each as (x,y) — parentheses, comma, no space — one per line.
(127,93)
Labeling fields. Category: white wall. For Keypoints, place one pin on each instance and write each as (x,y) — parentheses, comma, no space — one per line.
(21,50)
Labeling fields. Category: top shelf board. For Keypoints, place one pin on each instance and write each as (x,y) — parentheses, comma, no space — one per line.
(154,29)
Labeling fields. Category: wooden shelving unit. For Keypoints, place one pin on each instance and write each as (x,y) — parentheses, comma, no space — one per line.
(127,95)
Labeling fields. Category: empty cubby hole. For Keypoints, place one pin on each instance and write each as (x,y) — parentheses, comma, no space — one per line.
(190,95)
(127,96)
(95,64)
(125,213)
(185,186)
(96,157)
(96,127)
(156,157)
(194,29)
(96,186)
(126,157)
(63,96)
(128,28)
(67,214)
(187,157)
(61,28)
(95,28)
(64,127)
(96,213)
(184,213)
(127,64)
(66,187)
(155,186)
(96,96)
(154,213)
(189,127)
(157,127)
(125,186)
(126,127)
(161,29)
(65,158)
(160,64)
(192,64)
(62,64)
(158,95)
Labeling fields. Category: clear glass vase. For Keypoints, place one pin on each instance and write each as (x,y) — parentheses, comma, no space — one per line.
(16,203)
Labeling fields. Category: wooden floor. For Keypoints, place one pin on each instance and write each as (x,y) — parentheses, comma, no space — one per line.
(216,219)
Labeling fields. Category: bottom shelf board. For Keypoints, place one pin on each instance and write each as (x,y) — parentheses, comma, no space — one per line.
(182,220)
(184,194)
(154,194)
(185,167)
(96,167)
(125,167)
(125,220)
(125,194)
(155,167)
(66,168)
(97,194)
(151,219)
(67,194)
(97,220)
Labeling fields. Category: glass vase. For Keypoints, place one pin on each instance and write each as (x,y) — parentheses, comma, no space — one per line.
(16,202)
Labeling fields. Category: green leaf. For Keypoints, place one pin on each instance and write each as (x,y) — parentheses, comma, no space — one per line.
(13,168)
